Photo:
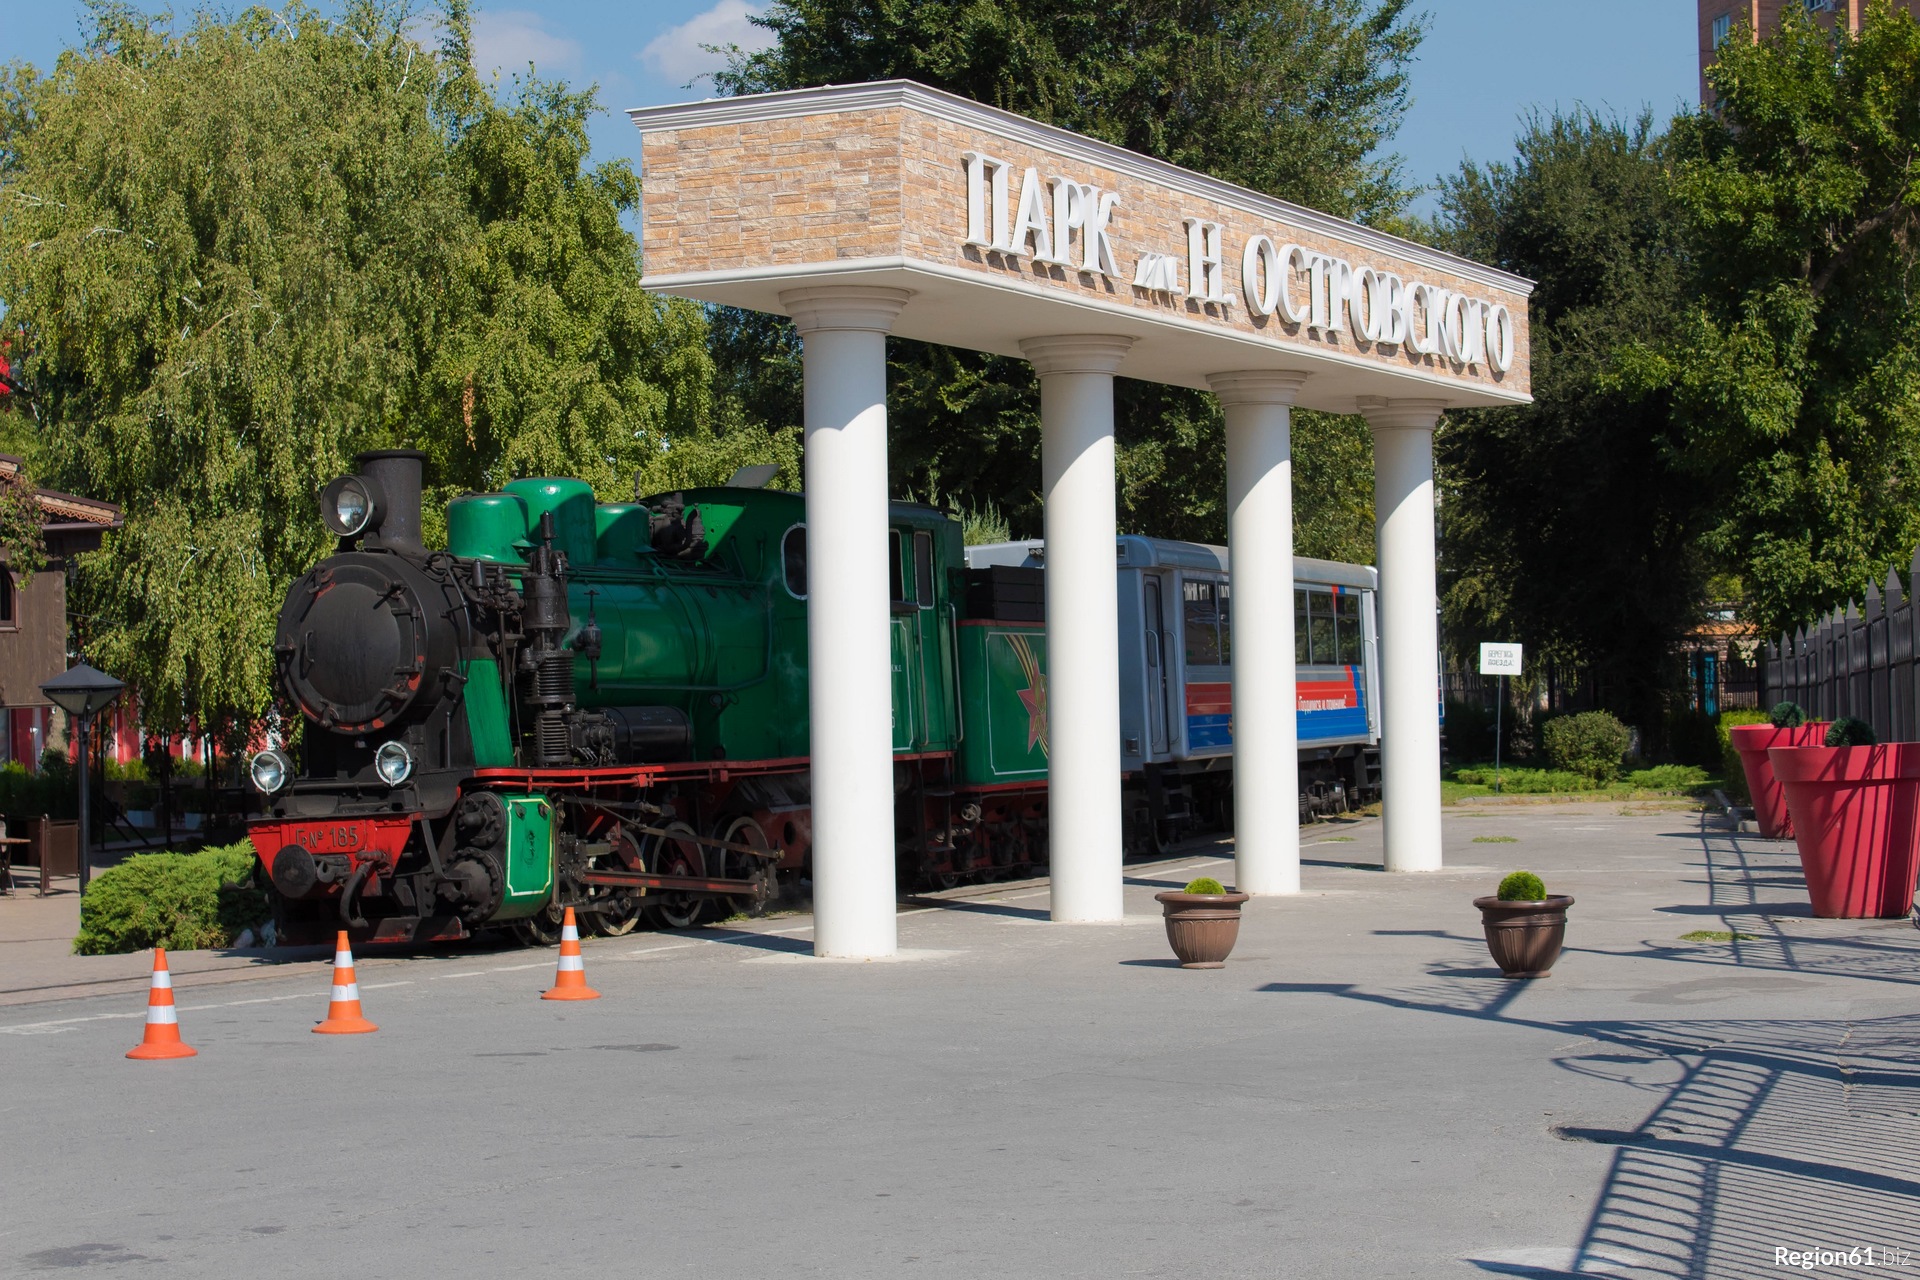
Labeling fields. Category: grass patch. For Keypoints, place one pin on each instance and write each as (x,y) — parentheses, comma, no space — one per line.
(1496,840)
(1718,935)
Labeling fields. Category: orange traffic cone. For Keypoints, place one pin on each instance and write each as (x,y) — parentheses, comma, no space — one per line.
(570,981)
(162,1038)
(343,1011)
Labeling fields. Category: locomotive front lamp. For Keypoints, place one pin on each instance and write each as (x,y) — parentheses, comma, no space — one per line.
(269,770)
(393,762)
(349,506)
(82,693)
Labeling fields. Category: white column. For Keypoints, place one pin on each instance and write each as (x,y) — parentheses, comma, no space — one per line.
(1266,751)
(850,692)
(1409,633)
(1083,631)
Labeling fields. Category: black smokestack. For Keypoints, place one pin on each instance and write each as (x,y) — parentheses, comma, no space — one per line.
(398,473)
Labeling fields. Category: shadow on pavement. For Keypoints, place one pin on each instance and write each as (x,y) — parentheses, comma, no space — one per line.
(1768,1134)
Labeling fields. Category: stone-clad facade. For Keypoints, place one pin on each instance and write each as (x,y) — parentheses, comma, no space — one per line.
(876,178)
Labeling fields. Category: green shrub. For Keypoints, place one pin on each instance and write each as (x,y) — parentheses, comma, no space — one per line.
(1667,777)
(52,792)
(1691,738)
(1592,743)
(183,901)
(1205,884)
(1522,886)
(1787,715)
(1849,732)
(1730,767)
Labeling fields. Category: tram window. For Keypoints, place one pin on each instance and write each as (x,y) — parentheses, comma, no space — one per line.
(923,569)
(1300,628)
(1202,624)
(1347,618)
(793,560)
(1225,594)
(896,574)
(1320,637)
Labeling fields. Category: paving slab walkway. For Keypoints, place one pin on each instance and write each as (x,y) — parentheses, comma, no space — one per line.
(1357,1094)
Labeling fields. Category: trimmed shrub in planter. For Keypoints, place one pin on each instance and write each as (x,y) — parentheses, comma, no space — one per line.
(1525,928)
(181,901)
(1203,922)
(1856,820)
(1787,726)
(1592,743)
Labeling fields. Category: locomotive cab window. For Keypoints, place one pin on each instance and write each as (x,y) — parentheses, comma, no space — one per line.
(1301,654)
(896,569)
(1201,606)
(923,569)
(793,561)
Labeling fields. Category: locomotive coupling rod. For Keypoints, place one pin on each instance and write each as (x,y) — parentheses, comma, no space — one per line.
(676,884)
(683,838)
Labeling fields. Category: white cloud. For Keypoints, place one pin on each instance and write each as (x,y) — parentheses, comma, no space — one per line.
(676,53)
(508,40)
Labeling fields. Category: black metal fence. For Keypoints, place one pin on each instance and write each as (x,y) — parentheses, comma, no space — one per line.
(1856,661)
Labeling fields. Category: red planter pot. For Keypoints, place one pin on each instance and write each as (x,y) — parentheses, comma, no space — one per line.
(1753,741)
(1856,820)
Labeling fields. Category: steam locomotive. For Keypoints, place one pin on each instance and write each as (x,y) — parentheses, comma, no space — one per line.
(604,706)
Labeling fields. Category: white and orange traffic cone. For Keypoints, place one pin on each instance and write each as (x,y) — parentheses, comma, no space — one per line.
(343,1010)
(570,980)
(162,1037)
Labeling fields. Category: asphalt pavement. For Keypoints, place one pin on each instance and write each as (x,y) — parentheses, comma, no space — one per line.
(1357,1094)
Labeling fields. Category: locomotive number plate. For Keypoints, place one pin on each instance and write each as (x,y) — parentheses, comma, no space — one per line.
(334,837)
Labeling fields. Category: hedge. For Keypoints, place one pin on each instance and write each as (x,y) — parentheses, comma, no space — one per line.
(181,901)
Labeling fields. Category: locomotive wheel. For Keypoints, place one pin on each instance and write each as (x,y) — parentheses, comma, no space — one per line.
(617,916)
(541,929)
(674,856)
(764,872)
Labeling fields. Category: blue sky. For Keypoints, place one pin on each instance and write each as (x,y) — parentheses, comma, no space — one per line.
(1484,63)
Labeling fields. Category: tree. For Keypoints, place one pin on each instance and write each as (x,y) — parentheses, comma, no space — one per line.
(1797,379)
(1295,98)
(237,256)
(1571,524)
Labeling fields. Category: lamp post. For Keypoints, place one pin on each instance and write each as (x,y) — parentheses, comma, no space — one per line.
(82,693)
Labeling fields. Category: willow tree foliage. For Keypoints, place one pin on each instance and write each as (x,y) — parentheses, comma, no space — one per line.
(1797,379)
(237,255)
(1295,98)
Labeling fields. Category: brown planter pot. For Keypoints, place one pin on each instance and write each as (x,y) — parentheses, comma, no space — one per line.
(1202,927)
(1524,937)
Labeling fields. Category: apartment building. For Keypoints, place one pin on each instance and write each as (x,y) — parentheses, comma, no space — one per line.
(1719,19)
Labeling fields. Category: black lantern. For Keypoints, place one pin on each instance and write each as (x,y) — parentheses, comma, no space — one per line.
(82,693)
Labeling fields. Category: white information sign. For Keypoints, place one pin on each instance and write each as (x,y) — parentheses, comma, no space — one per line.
(1499,659)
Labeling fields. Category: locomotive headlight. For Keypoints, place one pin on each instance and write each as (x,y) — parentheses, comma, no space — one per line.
(393,762)
(349,505)
(270,770)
